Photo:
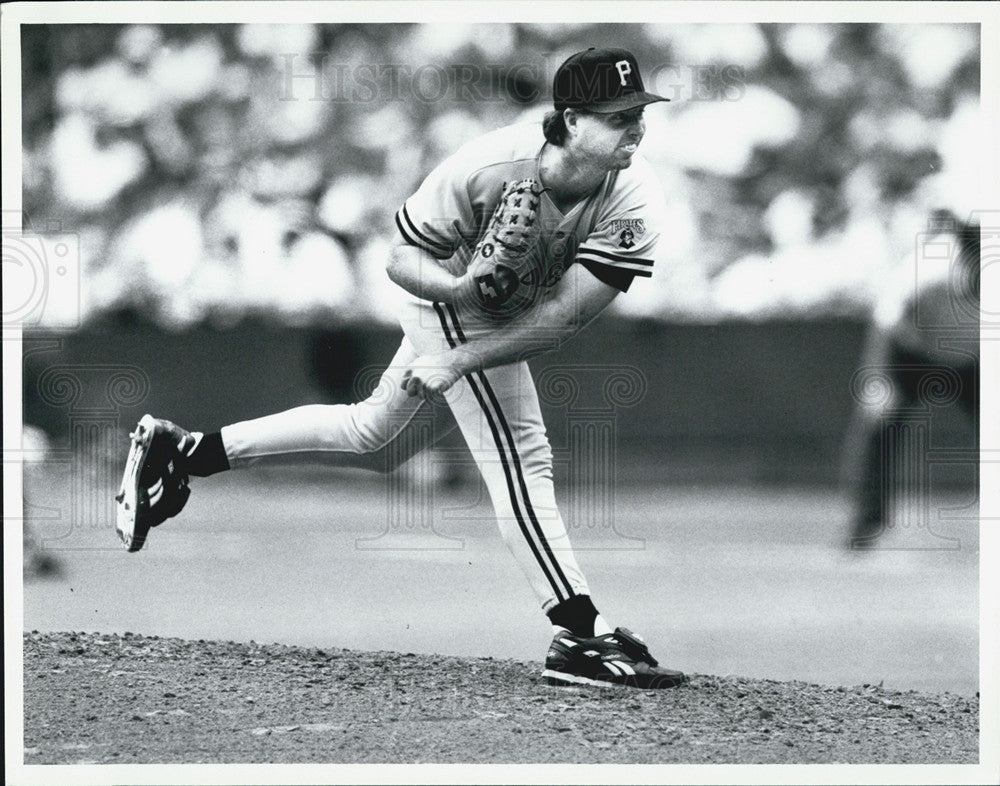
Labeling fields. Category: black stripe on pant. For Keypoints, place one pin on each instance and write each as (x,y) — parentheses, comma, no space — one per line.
(555,576)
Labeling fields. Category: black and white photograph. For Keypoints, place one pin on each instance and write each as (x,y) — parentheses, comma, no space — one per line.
(527,393)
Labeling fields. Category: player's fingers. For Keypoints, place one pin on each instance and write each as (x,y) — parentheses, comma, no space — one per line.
(438,384)
(436,388)
(405,384)
(434,395)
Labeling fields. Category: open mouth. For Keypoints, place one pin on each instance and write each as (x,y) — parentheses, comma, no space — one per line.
(631,147)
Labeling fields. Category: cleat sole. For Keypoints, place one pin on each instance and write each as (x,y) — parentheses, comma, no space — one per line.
(562,678)
(131,530)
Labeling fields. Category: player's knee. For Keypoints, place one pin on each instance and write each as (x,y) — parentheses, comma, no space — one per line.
(382,461)
(536,461)
(369,427)
(343,427)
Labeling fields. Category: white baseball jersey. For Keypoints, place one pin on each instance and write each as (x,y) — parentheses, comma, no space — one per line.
(614,233)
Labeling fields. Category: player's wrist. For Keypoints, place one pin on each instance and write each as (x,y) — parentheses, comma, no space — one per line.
(464,361)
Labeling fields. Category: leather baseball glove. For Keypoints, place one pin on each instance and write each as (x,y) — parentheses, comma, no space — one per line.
(504,256)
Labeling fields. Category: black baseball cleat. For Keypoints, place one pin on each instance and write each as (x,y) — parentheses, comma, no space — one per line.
(155,485)
(619,658)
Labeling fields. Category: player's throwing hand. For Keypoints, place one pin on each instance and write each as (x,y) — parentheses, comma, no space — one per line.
(431,375)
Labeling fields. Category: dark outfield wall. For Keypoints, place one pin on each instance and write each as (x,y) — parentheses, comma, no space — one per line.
(735,402)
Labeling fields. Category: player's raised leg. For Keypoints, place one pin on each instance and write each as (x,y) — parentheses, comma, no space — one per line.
(339,434)
(363,435)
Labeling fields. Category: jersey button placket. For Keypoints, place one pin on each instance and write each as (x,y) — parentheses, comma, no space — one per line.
(558,247)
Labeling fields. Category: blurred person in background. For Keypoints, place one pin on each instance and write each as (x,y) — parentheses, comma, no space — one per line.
(923,339)
(599,213)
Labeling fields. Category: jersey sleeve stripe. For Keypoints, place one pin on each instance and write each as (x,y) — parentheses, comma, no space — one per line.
(642,269)
(409,238)
(615,257)
(617,277)
(417,238)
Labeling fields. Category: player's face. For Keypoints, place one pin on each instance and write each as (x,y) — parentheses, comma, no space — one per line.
(610,140)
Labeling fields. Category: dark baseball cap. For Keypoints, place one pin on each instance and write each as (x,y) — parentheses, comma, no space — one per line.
(601,80)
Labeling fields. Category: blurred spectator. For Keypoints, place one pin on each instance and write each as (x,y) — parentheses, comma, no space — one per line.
(186,73)
(88,176)
(721,136)
(382,298)
(951,44)
(348,205)
(710,43)
(275,41)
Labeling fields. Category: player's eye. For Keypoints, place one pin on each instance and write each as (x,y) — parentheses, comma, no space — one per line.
(624,118)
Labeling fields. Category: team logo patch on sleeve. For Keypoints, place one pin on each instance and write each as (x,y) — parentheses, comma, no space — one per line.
(626,230)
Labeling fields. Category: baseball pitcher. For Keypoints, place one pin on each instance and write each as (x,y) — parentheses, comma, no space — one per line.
(509,247)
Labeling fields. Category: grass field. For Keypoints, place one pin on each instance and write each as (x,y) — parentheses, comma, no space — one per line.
(753,582)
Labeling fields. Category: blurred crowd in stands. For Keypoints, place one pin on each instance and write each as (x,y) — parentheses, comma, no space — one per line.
(213,172)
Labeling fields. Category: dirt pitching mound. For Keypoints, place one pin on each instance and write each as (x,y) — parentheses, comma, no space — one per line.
(102,698)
